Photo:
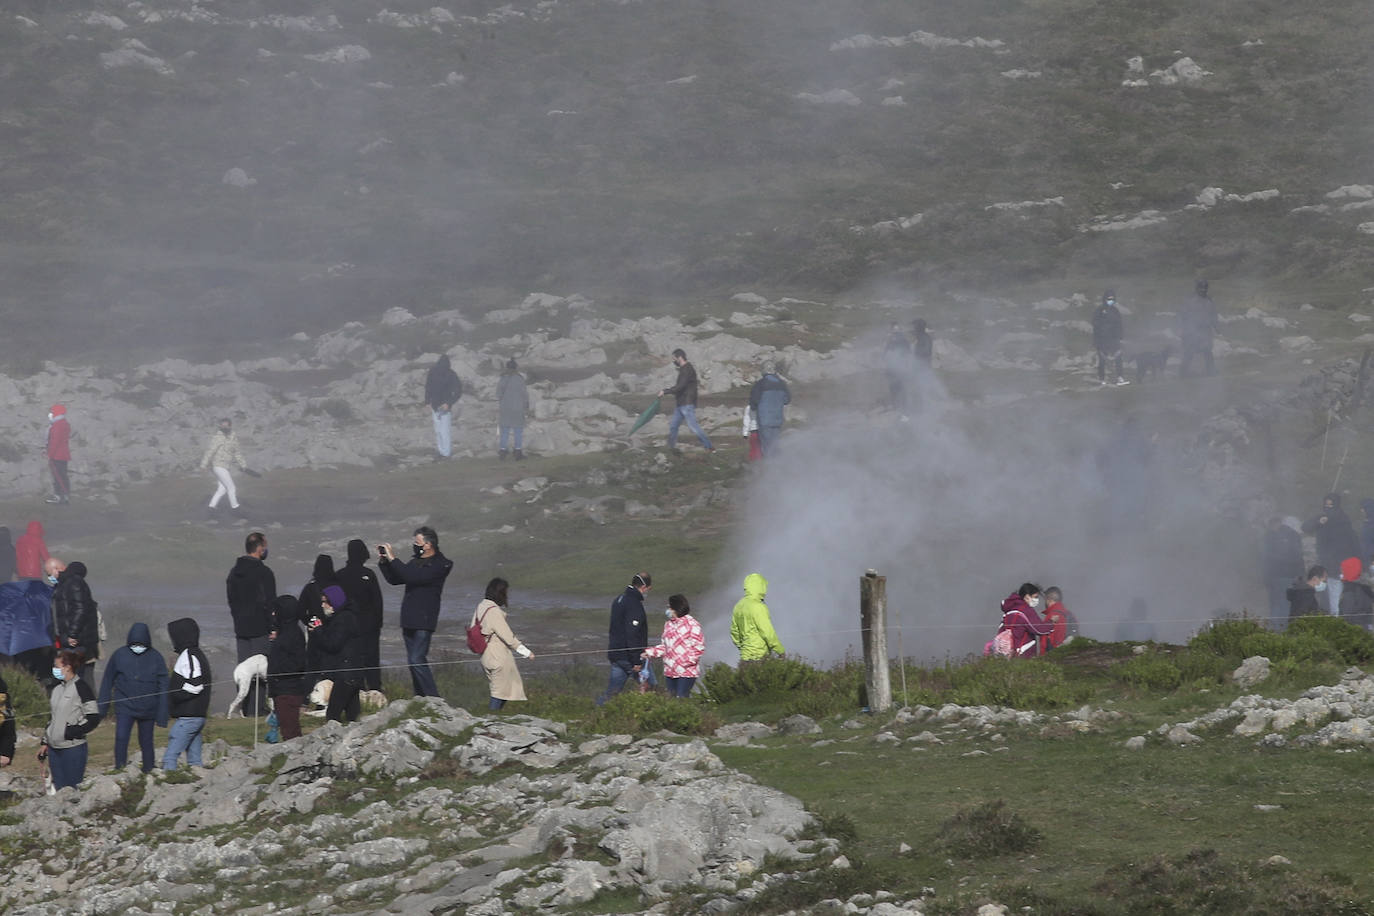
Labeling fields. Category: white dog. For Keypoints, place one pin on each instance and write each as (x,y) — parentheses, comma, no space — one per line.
(318,701)
(252,668)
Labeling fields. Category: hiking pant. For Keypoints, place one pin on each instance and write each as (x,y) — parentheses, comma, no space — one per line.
(443,432)
(226,487)
(124,726)
(61,484)
(1192,348)
(1102,357)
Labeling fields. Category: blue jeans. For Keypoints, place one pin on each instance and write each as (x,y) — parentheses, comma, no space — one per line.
(443,439)
(620,676)
(680,687)
(184,735)
(686,412)
(494,704)
(1334,587)
(124,726)
(519,432)
(768,439)
(417,657)
(68,765)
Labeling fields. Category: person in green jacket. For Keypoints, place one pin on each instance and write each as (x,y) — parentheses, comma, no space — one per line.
(751,628)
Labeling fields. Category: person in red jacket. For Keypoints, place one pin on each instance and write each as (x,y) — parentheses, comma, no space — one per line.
(59,453)
(1020,617)
(1064,623)
(30,552)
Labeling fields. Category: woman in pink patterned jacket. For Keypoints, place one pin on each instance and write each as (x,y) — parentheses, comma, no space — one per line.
(682,647)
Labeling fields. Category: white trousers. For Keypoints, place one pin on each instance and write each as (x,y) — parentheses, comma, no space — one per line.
(226,485)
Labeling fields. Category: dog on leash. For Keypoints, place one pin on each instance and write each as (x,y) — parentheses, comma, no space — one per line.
(1152,362)
(252,668)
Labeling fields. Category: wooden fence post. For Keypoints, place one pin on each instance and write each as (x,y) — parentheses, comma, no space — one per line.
(873,617)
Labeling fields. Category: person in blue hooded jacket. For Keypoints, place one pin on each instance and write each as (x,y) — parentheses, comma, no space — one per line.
(135,683)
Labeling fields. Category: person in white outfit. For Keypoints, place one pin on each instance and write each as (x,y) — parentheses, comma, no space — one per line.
(223,452)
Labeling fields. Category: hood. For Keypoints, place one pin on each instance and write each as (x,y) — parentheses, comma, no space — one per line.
(755,586)
(184,633)
(74,568)
(1014,602)
(442,363)
(243,566)
(139,635)
(35,529)
(324,568)
(285,606)
(357,552)
(1351,567)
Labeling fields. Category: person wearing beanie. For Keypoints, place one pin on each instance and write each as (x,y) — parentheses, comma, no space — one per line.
(1357,598)
(767,400)
(336,634)
(1107,334)
(514,400)
(364,592)
(222,452)
(59,454)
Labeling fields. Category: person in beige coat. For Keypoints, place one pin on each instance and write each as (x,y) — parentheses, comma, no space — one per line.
(502,646)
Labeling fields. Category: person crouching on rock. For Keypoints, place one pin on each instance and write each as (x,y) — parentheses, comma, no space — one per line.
(682,647)
(497,659)
(75,714)
(1020,617)
(1061,618)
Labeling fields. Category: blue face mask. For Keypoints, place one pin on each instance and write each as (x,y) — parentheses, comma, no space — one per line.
(52,580)
(1320,586)
(138,650)
(57,673)
(668,612)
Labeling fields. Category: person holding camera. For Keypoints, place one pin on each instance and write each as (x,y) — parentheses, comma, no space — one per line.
(423,576)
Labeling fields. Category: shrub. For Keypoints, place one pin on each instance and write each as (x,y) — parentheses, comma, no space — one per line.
(1354,645)
(775,676)
(1299,647)
(27,696)
(990,829)
(1020,683)
(1149,672)
(1226,638)
(643,713)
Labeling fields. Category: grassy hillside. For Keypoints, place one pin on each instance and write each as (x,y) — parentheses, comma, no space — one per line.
(654,150)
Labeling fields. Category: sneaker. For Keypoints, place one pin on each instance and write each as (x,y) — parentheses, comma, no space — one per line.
(501,455)
(1102,382)
(1121,381)
(519,454)
(53,500)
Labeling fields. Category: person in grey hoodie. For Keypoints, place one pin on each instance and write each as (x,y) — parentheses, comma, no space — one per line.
(514,400)
(75,714)
(135,683)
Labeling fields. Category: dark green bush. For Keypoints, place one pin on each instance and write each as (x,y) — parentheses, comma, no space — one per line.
(644,713)
(1149,672)
(1020,683)
(1354,645)
(775,676)
(990,829)
(1300,647)
(1226,638)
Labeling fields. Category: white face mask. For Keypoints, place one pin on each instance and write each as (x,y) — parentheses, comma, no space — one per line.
(49,418)
(668,612)
(138,650)
(1320,586)
(1034,602)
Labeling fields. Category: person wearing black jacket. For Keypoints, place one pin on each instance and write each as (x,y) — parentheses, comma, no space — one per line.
(251,590)
(188,694)
(74,621)
(1107,334)
(287,669)
(323,574)
(1336,540)
(1282,564)
(442,390)
(336,633)
(684,392)
(423,578)
(628,636)
(365,595)
(1307,596)
(7,729)
(135,683)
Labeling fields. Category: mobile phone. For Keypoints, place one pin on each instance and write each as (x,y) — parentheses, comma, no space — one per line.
(381,551)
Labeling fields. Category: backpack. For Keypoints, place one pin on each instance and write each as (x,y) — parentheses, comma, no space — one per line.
(477,642)
(1000,645)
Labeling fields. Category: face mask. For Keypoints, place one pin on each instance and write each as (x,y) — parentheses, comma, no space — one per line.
(668,612)
(1033,602)
(1320,586)
(49,418)
(264,555)
(52,580)
(138,650)
(417,550)
(57,673)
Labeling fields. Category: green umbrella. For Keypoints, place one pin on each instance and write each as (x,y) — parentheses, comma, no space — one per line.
(646,416)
